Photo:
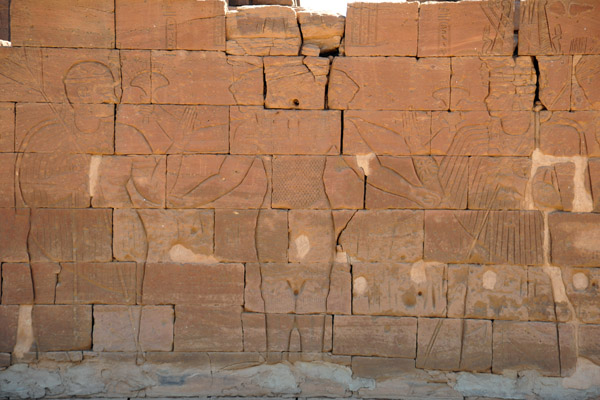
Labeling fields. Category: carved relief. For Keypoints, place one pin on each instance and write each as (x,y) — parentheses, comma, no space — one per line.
(555,81)
(586,92)
(553,187)
(565,133)
(582,287)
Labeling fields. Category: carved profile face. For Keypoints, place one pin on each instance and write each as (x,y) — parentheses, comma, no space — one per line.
(90,82)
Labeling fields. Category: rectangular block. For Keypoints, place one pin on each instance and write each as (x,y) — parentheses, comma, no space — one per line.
(63,23)
(207,78)
(70,235)
(588,342)
(372,236)
(454,344)
(14,233)
(62,327)
(575,239)
(45,277)
(9,319)
(202,328)
(128,181)
(185,25)
(298,333)
(399,289)
(7,126)
(564,133)
(218,181)
(219,285)
(519,346)
(311,236)
(466,29)
(553,186)
(17,284)
(375,336)
(492,83)
(555,81)
(581,287)
(317,182)
(255,130)
(384,29)
(321,30)
(480,133)
(136,76)
(585,94)
(561,27)
(171,129)
(364,83)
(8,163)
(484,237)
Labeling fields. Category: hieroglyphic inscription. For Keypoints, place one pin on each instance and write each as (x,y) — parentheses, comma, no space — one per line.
(363,29)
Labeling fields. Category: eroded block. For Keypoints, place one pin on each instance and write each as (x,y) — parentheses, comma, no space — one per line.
(588,342)
(581,287)
(299,333)
(555,81)
(9,317)
(17,284)
(564,133)
(325,31)
(62,327)
(45,276)
(553,186)
(575,239)
(205,328)
(14,233)
(594,170)
(311,236)
(586,93)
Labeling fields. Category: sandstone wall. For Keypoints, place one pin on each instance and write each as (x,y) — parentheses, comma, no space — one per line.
(198,201)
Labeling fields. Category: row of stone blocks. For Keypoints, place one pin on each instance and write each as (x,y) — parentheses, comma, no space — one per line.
(483,27)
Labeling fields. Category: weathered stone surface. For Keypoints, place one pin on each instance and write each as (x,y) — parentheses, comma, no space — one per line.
(585,94)
(205,77)
(384,29)
(14,233)
(7,179)
(296,82)
(17,284)
(185,25)
(559,27)
(565,133)
(311,236)
(136,76)
(298,333)
(575,239)
(96,283)
(486,237)
(581,288)
(594,171)
(171,129)
(370,84)
(417,182)
(205,328)
(383,289)
(325,31)
(498,183)
(553,186)
(218,181)
(316,182)
(5,30)
(45,276)
(568,349)
(62,327)
(454,344)
(492,83)
(479,133)
(588,342)
(75,76)
(70,235)
(298,288)
(372,236)
(219,285)
(375,336)
(263,31)
(519,346)
(255,130)
(122,328)
(164,235)
(555,81)
(63,23)
(9,316)
(251,235)
(7,127)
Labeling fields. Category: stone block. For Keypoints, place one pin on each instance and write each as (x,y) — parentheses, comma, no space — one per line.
(9,318)
(498,183)
(251,235)
(564,133)
(520,346)
(128,181)
(96,283)
(218,285)
(263,31)
(63,23)
(218,181)
(585,94)
(484,237)
(383,289)
(322,30)
(136,76)
(555,81)
(311,236)
(45,277)
(375,336)
(184,25)
(454,344)
(14,233)
(205,78)
(70,235)
(588,342)
(560,27)
(575,239)
(568,349)
(480,133)
(205,328)
(171,129)
(5,34)
(7,127)
(581,288)
(299,333)
(254,331)
(384,29)
(8,163)
(17,284)
(373,236)
(466,29)
(417,182)
(493,83)
(369,83)
(594,171)
(553,186)
(62,327)
(255,130)
(317,182)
